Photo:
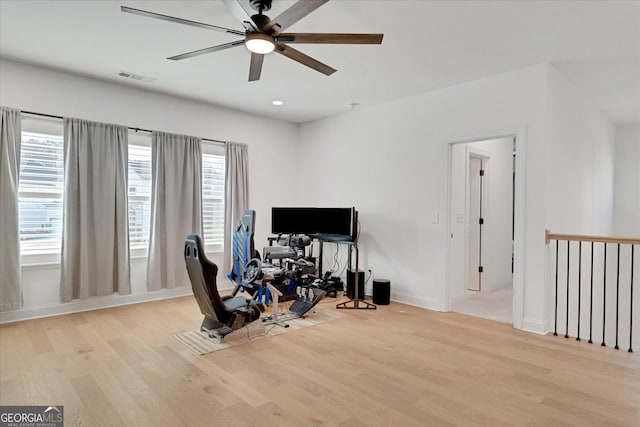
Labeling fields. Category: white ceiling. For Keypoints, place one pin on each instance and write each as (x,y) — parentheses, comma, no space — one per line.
(427,45)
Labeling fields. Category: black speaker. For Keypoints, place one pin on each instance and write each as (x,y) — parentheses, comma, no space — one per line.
(381,291)
(351,284)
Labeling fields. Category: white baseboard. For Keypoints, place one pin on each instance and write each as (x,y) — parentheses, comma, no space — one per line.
(428,303)
(534,326)
(89,304)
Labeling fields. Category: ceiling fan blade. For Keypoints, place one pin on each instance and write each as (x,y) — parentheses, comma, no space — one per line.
(330,38)
(292,15)
(255,68)
(207,50)
(241,15)
(179,20)
(300,57)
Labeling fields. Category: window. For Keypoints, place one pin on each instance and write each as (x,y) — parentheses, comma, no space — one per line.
(212,197)
(41,189)
(139,192)
(40,192)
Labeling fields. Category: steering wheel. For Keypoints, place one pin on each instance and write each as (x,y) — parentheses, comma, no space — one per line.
(252,271)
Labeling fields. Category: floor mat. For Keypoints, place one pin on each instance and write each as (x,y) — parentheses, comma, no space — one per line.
(200,343)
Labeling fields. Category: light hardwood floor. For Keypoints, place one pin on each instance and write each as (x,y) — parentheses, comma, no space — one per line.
(396,366)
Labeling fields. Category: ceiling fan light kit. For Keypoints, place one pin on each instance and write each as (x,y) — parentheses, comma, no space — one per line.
(259,43)
(263,35)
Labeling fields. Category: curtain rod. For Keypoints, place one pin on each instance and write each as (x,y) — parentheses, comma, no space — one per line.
(129,127)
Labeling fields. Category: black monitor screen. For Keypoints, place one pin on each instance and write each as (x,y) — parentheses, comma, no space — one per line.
(324,222)
(336,221)
(293,220)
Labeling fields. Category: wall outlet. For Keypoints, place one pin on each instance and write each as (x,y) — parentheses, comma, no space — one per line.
(370,268)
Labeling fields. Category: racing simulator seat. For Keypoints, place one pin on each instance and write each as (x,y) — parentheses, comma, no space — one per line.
(243,251)
(222,314)
(251,275)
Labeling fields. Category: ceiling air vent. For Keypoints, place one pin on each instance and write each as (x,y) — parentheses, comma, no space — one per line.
(133,76)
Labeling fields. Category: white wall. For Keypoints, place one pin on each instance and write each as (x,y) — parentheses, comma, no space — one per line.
(391,161)
(580,170)
(604,175)
(272,143)
(627,181)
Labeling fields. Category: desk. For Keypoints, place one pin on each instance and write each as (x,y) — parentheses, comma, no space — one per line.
(337,242)
(355,302)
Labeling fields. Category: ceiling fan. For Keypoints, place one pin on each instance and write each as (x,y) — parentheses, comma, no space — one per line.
(263,35)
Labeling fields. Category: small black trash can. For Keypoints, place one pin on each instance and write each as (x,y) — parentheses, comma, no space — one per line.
(381,291)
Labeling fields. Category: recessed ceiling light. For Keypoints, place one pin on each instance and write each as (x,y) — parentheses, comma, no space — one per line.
(353,105)
(277,102)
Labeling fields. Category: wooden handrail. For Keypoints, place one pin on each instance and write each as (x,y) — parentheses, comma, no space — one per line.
(580,238)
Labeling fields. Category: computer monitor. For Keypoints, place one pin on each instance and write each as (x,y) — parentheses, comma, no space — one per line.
(325,223)
(293,220)
(336,224)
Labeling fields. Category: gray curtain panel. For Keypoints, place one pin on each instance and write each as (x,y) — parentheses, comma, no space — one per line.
(10,277)
(95,236)
(236,194)
(176,207)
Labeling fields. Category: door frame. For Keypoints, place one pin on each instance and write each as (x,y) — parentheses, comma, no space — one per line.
(519,135)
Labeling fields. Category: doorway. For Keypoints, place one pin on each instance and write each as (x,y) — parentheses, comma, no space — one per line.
(481,210)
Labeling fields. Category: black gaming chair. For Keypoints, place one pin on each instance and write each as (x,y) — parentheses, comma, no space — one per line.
(222,315)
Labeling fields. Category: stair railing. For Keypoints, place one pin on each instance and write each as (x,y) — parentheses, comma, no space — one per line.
(579,281)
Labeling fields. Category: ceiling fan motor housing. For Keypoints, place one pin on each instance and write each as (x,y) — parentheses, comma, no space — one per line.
(260,5)
(260,20)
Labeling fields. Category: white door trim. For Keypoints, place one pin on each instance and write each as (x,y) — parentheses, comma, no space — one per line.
(520,215)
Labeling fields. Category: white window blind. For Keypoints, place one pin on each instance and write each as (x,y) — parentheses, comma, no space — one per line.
(213,198)
(139,191)
(41,185)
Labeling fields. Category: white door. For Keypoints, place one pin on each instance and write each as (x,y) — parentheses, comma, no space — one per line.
(476,196)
